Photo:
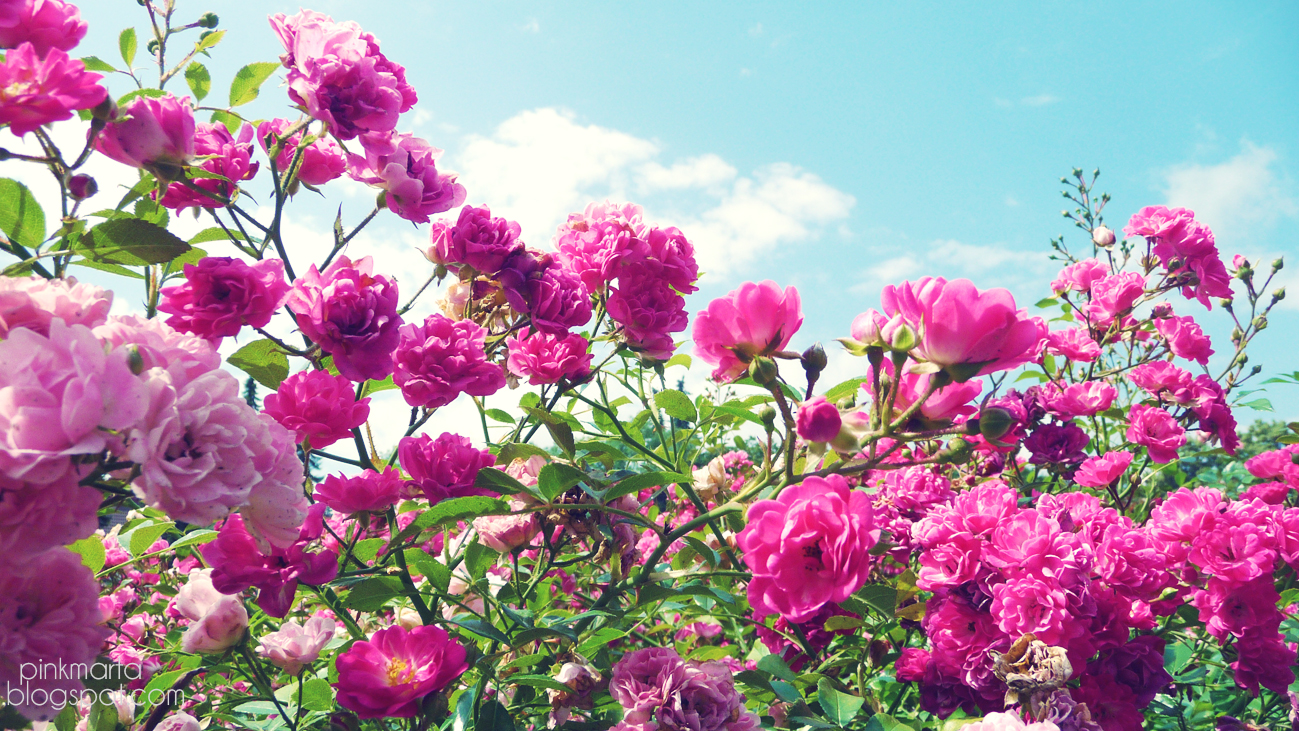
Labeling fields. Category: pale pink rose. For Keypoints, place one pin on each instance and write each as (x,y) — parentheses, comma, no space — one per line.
(1185,338)
(1103,470)
(179,721)
(1163,380)
(59,397)
(151,133)
(969,332)
(504,533)
(294,646)
(217,620)
(1080,276)
(31,302)
(1158,221)
(1008,722)
(1156,430)
(35,518)
(276,504)
(873,328)
(1078,399)
(1074,343)
(753,320)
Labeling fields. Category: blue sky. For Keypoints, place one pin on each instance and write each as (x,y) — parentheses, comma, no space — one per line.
(838,146)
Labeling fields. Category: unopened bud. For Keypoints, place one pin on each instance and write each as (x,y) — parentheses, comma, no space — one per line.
(995,422)
(1103,237)
(209,20)
(1260,323)
(904,339)
(1294,457)
(1277,263)
(1241,359)
(763,371)
(1278,295)
(814,359)
(768,417)
(82,186)
(153,47)
(134,360)
(957,451)
(105,111)
(1256,370)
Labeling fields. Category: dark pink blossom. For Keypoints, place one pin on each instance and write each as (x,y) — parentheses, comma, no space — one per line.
(388,675)
(649,311)
(1114,296)
(1163,380)
(351,313)
(756,319)
(155,134)
(556,301)
(1079,277)
(1155,429)
(445,467)
(369,491)
(406,167)
(818,420)
(1103,470)
(1185,338)
(1075,343)
(45,24)
(317,407)
(227,156)
(543,358)
(321,161)
(438,360)
(36,90)
(222,294)
(478,240)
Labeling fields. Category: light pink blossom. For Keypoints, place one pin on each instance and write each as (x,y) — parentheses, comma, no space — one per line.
(294,646)
(217,621)
(406,167)
(32,302)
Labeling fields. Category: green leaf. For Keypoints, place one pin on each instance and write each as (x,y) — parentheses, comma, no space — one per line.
(839,707)
(199,80)
(841,621)
(519,450)
(213,234)
(126,44)
(461,508)
(492,716)
(680,359)
(21,217)
(481,628)
(562,434)
(885,722)
(636,483)
(264,361)
(843,390)
(557,477)
(478,558)
(145,535)
(193,256)
(429,567)
(676,404)
(195,538)
(879,597)
(774,665)
(540,681)
(366,550)
(162,682)
(131,242)
(94,63)
(231,120)
(247,81)
(499,416)
(1261,404)
(493,479)
(91,551)
(147,210)
(372,386)
(151,93)
(370,595)
(317,695)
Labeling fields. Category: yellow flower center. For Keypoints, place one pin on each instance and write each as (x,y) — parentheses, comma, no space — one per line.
(399,672)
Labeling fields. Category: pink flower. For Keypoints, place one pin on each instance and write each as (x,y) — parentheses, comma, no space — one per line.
(180,721)
(228,156)
(963,329)
(40,90)
(1158,221)
(151,133)
(370,491)
(238,563)
(1265,659)
(45,24)
(1028,604)
(753,320)
(35,518)
(818,420)
(945,404)
(808,547)
(1008,722)
(318,408)
(606,238)
(51,615)
(1078,399)
(1074,343)
(160,346)
(1156,430)
(1163,380)
(504,533)
(61,396)
(1185,338)
(222,294)
(338,73)
(445,467)
(659,690)
(544,358)
(1114,296)
(649,310)
(405,167)
(32,302)
(479,241)
(387,676)
(1079,277)
(1103,470)
(556,301)
(351,313)
(437,361)
(910,666)
(217,621)
(295,646)
(321,161)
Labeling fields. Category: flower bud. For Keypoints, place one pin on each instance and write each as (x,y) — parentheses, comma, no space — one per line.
(1277,263)
(1278,295)
(105,110)
(904,339)
(995,422)
(82,186)
(209,20)
(1294,458)
(957,451)
(1260,323)
(814,358)
(1103,237)
(763,371)
(134,360)
(768,416)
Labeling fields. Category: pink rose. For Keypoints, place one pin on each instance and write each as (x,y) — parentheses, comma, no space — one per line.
(160,346)
(1163,380)
(45,24)
(1074,343)
(1185,338)
(294,646)
(818,420)
(504,533)
(445,467)
(543,358)
(967,331)
(320,162)
(910,666)
(35,518)
(649,310)
(32,302)
(351,313)
(222,294)
(1078,399)
(1103,470)
(596,243)
(1028,604)
(227,156)
(1156,430)
(1079,277)
(370,491)
(387,676)
(405,167)
(180,721)
(440,359)
(318,408)
(808,547)
(1114,296)
(152,134)
(752,320)
(479,241)
(41,90)
(217,621)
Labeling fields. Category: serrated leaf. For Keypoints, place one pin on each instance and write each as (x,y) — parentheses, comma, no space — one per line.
(248,80)
(145,535)
(879,597)
(680,359)
(885,722)
(149,92)
(232,121)
(500,416)
(493,479)
(840,621)
(21,217)
(461,508)
(841,391)
(366,550)
(104,266)
(210,39)
(479,627)
(317,695)
(91,551)
(370,595)
(478,558)
(492,716)
(557,477)
(676,404)
(131,242)
(214,234)
(519,450)
(94,63)
(636,483)
(775,665)
(540,681)
(126,43)
(195,538)
(429,567)
(264,361)
(199,80)
(839,707)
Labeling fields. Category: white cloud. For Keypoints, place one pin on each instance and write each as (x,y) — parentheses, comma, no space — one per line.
(1242,196)
(542,164)
(532,26)
(994,265)
(1040,100)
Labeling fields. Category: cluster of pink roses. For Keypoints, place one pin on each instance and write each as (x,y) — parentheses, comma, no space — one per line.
(41,83)
(659,690)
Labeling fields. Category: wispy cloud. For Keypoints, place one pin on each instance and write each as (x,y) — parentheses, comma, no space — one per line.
(1040,100)
(532,26)
(1238,198)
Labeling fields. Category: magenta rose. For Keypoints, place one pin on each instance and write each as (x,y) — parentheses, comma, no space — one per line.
(41,90)
(1155,429)
(45,24)
(405,166)
(318,408)
(155,134)
(480,241)
(369,491)
(227,156)
(1163,380)
(445,467)
(808,547)
(1115,295)
(1103,470)
(1075,343)
(321,161)
(387,676)
(351,313)
(437,361)
(32,302)
(596,243)
(556,300)
(818,420)
(910,666)
(752,320)
(1185,338)
(222,294)
(1077,399)
(649,311)
(543,358)
(967,331)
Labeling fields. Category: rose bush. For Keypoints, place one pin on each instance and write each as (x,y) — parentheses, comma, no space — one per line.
(1009,518)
